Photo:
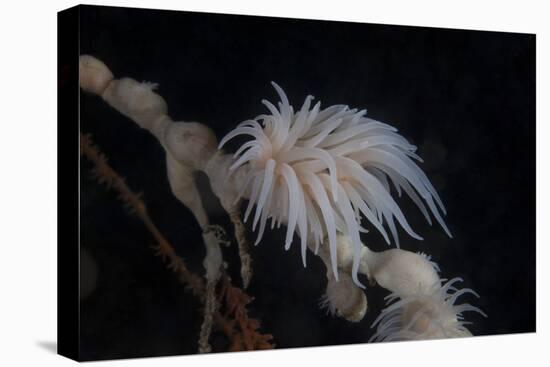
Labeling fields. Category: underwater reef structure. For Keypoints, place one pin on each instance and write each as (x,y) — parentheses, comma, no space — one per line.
(324,173)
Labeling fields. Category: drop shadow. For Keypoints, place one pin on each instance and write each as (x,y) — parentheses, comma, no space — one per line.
(50,346)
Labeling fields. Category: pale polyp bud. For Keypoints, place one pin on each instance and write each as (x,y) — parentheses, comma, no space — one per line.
(94,75)
(136,101)
(344,298)
(191,143)
(401,272)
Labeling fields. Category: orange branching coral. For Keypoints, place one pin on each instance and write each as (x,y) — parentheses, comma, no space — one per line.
(246,335)
(132,201)
(241,330)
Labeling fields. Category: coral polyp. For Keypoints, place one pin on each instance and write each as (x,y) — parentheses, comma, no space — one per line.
(426,314)
(320,170)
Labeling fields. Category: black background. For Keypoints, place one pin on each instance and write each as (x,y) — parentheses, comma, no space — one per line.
(466,98)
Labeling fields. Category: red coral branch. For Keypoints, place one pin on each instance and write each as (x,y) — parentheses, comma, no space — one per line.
(247,336)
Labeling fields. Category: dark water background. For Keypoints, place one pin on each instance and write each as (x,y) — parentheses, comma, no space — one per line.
(466,98)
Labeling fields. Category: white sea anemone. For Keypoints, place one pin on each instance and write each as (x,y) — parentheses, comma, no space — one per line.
(431,314)
(318,170)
